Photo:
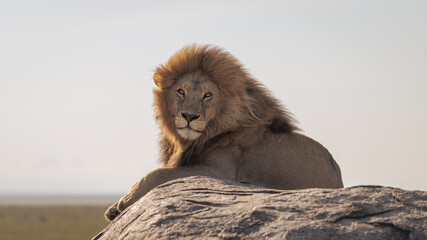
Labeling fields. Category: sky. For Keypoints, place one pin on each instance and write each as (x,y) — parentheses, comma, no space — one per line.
(76,113)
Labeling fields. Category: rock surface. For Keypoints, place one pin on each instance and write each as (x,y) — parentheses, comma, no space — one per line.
(207,208)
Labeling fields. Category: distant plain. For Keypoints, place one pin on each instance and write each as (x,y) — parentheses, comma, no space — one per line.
(54,217)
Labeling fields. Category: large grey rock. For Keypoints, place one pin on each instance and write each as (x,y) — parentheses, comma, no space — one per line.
(207,208)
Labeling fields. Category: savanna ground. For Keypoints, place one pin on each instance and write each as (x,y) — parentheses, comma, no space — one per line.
(51,222)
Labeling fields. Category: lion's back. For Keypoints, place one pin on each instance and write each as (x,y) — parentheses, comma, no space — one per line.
(289,161)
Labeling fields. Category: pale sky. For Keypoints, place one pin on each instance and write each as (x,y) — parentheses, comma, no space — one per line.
(76,113)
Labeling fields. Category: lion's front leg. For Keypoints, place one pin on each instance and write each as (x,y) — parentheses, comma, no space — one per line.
(152,180)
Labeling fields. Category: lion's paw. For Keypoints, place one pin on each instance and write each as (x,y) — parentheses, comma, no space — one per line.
(124,202)
(112,212)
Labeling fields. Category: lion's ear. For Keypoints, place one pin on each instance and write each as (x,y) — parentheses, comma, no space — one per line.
(156,79)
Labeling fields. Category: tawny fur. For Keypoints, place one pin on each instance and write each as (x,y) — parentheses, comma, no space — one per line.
(245,101)
(216,120)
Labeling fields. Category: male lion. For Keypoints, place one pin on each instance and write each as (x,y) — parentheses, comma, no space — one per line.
(216,120)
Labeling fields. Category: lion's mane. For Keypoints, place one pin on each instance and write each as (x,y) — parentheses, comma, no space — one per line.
(246,103)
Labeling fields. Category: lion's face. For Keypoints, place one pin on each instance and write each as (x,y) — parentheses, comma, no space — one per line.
(194,100)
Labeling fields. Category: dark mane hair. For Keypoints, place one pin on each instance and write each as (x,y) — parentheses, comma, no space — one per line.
(246,102)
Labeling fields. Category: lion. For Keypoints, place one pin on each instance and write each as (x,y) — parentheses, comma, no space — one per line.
(216,120)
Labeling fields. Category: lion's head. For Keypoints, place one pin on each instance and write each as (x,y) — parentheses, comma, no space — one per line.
(195,99)
(203,92)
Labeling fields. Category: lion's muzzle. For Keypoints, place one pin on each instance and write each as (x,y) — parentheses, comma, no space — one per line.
(190,125)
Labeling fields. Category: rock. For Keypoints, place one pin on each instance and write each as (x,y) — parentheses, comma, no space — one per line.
(207,208)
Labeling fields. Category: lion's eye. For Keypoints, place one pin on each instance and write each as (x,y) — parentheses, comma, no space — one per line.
(180,92)
(207,95)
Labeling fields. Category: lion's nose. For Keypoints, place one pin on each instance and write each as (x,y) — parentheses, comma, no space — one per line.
(189,116)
